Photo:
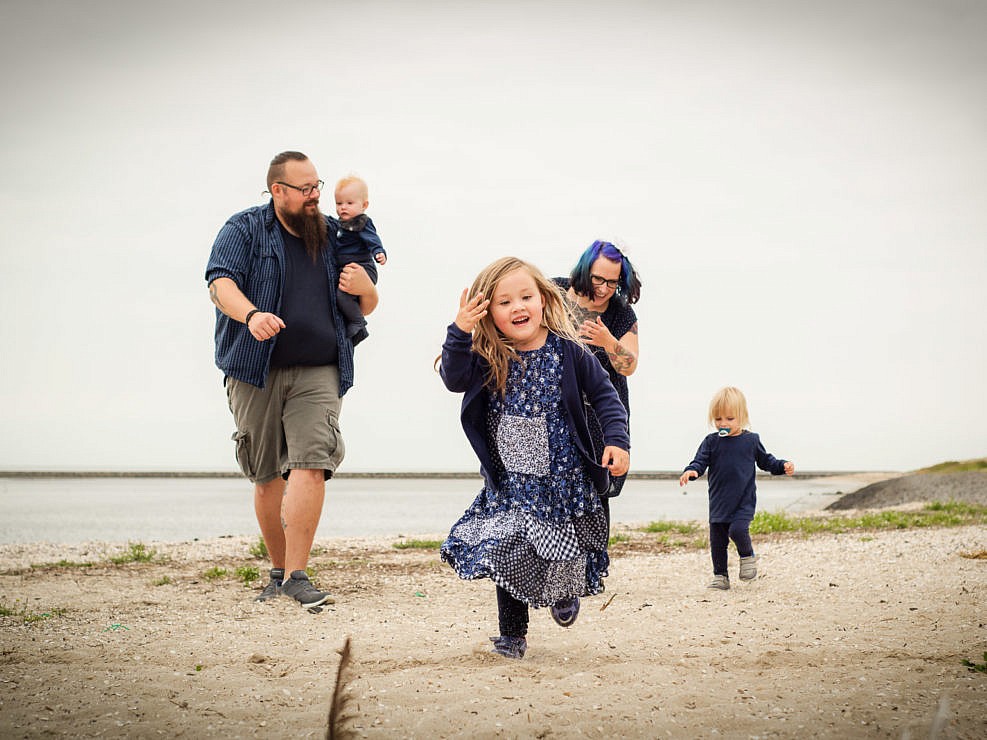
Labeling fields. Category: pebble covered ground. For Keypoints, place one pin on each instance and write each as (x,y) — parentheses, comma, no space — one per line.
(840,636)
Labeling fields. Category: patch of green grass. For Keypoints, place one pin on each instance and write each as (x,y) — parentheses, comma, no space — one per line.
(215,573)
(61,564)
(947,514)
(618,538)
(956,507)
(259,549)
(668,540)
(676,527)
(936,514)
(138,552)
(956,466)
(70,564)
(29,617)
(978,667)
(417,545)
(162,581)
(247,574)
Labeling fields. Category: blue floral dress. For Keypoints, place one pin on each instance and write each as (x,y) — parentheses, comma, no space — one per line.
(542,535)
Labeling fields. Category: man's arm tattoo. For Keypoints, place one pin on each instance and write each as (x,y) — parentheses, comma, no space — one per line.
(214,297)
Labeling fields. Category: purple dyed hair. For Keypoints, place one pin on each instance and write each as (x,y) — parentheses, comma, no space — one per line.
(628,285)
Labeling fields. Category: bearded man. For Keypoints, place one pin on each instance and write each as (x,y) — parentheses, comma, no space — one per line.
(286,360)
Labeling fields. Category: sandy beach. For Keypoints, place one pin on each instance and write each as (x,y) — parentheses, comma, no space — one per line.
(850,635)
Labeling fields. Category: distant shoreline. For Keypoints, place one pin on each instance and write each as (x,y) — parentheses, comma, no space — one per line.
(407,475)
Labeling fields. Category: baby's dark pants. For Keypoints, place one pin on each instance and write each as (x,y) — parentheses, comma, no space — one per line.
(720,534)
(511,614)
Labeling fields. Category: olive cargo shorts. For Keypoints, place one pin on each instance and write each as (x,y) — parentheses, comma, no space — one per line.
(292,423)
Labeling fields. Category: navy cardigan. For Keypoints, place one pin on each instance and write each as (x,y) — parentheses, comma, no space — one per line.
(584,382)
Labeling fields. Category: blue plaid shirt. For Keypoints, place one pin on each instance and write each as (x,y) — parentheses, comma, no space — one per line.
(250,251)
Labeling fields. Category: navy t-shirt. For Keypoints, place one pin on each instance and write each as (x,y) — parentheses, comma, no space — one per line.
(309,336)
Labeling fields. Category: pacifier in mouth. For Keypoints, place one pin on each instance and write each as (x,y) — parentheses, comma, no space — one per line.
(724,432)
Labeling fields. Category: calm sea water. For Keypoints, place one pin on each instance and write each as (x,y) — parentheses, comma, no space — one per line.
(68,510)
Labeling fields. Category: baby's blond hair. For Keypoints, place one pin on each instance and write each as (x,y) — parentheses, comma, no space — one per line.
(729,401)
(354,180)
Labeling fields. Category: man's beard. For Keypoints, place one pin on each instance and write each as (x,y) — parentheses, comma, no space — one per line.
(312,230)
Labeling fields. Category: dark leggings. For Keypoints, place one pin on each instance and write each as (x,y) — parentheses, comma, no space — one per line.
(511,614)
(720,534)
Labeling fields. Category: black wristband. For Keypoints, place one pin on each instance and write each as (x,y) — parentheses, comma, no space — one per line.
(250,314)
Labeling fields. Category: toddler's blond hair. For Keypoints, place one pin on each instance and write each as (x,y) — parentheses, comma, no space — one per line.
(726,401)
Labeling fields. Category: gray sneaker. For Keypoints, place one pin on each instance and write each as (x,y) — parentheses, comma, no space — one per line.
(301,590)
(273,588)
(748,568)
(720,582)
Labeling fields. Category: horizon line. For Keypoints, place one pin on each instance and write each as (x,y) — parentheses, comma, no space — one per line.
(408,475)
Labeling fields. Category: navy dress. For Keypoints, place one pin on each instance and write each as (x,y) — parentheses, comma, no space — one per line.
(542,536)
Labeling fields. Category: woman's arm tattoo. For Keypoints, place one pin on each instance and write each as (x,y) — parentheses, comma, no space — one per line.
(620,358)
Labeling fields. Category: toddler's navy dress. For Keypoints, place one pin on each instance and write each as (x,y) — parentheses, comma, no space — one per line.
(542,536)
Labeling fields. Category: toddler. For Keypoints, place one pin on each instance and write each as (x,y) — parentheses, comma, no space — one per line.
(730,454)
(356,241)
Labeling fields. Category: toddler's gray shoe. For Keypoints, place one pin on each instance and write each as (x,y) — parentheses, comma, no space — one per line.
(748,568)
(720,582)
(273,588)
(301,590)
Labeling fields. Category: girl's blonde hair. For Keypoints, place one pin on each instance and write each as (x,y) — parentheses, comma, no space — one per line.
(494,347)
(729,401)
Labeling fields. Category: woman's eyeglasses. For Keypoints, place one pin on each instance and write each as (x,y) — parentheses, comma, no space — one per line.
(599,280)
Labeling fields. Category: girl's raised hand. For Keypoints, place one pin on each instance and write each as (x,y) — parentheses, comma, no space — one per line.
(616,460)
(789,468)
(471,311)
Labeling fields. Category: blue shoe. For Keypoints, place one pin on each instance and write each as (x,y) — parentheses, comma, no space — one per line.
(564,612)
(509,647)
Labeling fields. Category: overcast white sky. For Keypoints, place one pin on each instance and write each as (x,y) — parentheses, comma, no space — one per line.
(802,185)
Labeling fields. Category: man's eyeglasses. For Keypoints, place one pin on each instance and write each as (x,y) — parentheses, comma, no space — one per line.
(599,280)
(306,190)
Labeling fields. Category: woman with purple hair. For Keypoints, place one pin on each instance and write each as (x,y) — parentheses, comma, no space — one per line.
(601,289)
